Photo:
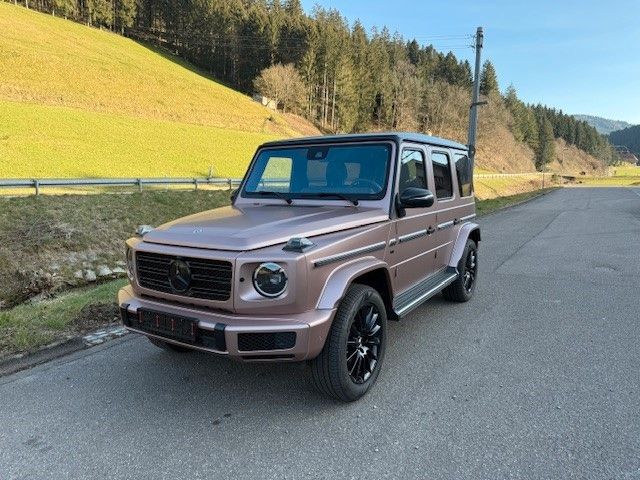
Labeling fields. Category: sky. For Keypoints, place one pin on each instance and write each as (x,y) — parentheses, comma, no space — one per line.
(579,56)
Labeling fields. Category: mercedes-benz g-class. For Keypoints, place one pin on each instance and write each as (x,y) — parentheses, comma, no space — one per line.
(326,239)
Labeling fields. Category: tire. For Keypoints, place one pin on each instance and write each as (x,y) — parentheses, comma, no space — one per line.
(358,333)
(461,290)
(171,347)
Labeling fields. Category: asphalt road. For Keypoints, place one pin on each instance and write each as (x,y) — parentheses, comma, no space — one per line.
(537,377)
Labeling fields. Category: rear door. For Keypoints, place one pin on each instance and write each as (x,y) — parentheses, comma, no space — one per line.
(446,204)
(412,253)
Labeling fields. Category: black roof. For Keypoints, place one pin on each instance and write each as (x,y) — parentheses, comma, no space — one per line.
(359,137)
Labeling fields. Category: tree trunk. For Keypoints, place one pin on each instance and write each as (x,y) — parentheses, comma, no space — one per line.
(333,105)
(324,96)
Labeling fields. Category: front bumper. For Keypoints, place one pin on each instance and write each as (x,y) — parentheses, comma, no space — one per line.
(310,328)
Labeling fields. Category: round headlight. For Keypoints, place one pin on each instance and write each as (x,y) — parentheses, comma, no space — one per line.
(270,280)
(130,270)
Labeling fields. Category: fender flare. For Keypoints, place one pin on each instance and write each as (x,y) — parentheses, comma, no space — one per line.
(339,280)
(464,233)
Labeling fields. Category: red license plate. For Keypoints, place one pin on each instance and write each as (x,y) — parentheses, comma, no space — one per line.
(168,325)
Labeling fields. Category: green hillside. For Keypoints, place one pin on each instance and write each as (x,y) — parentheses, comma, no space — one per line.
(77,101)
(629,137)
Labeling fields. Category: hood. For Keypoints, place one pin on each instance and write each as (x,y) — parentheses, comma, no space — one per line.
(258,226)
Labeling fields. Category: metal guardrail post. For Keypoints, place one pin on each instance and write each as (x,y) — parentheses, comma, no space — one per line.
(195,183)
(36,185)
(139,181)
(230,184)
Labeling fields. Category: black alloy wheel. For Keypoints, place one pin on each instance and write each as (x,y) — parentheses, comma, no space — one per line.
(363,343)
(462,288)
(470,270)
(352,357)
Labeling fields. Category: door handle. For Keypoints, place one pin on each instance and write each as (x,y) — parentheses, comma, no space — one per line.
(430,230)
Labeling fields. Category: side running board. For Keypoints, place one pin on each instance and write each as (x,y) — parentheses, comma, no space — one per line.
(427,288)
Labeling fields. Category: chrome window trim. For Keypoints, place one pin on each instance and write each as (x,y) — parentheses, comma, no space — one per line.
(348,254)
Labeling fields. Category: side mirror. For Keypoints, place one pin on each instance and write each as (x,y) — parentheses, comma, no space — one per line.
(414,197)
(234,195)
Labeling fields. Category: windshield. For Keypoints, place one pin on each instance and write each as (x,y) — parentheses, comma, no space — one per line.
(347,171)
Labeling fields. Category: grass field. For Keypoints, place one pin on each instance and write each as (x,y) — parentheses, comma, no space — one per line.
(39,141)
(78,101)
(624,175)
(626,170)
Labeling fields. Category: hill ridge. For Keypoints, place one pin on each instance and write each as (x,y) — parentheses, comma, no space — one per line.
(603,125)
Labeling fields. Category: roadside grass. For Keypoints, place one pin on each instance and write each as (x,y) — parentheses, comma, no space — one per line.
(76,101)
(80,232)
(488,188)
(46,239)
(29,326)
(484,207)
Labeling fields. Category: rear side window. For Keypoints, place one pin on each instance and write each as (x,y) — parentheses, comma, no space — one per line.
(412,172)
(442,175)
(465,175)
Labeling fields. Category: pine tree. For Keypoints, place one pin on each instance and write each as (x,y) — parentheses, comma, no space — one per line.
(125,12)
(64,8)
(346,96)
(488,79)
(517,109)
(546,148)
(413,52)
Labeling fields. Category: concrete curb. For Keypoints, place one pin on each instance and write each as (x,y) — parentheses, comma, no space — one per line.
(23,361)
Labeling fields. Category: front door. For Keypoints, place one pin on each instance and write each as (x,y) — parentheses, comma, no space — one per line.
(413,253)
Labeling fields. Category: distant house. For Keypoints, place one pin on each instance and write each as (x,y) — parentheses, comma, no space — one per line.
(265,101)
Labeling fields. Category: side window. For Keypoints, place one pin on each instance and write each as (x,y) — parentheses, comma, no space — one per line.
(412,172)
(465,176)
(442,175)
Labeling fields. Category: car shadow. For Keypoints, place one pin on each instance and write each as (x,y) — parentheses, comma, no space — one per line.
(210,383)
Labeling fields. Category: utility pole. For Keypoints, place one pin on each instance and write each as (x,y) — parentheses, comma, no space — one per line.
(475,99)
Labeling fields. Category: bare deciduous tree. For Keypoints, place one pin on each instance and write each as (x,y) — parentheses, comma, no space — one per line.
(283,85)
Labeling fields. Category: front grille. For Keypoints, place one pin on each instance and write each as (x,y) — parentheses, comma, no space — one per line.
(249,342)
(210,279)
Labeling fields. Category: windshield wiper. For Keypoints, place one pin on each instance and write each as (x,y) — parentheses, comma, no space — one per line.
(340,196)
(275,194)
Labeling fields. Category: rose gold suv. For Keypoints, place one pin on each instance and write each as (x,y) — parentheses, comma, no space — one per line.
(326,239)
